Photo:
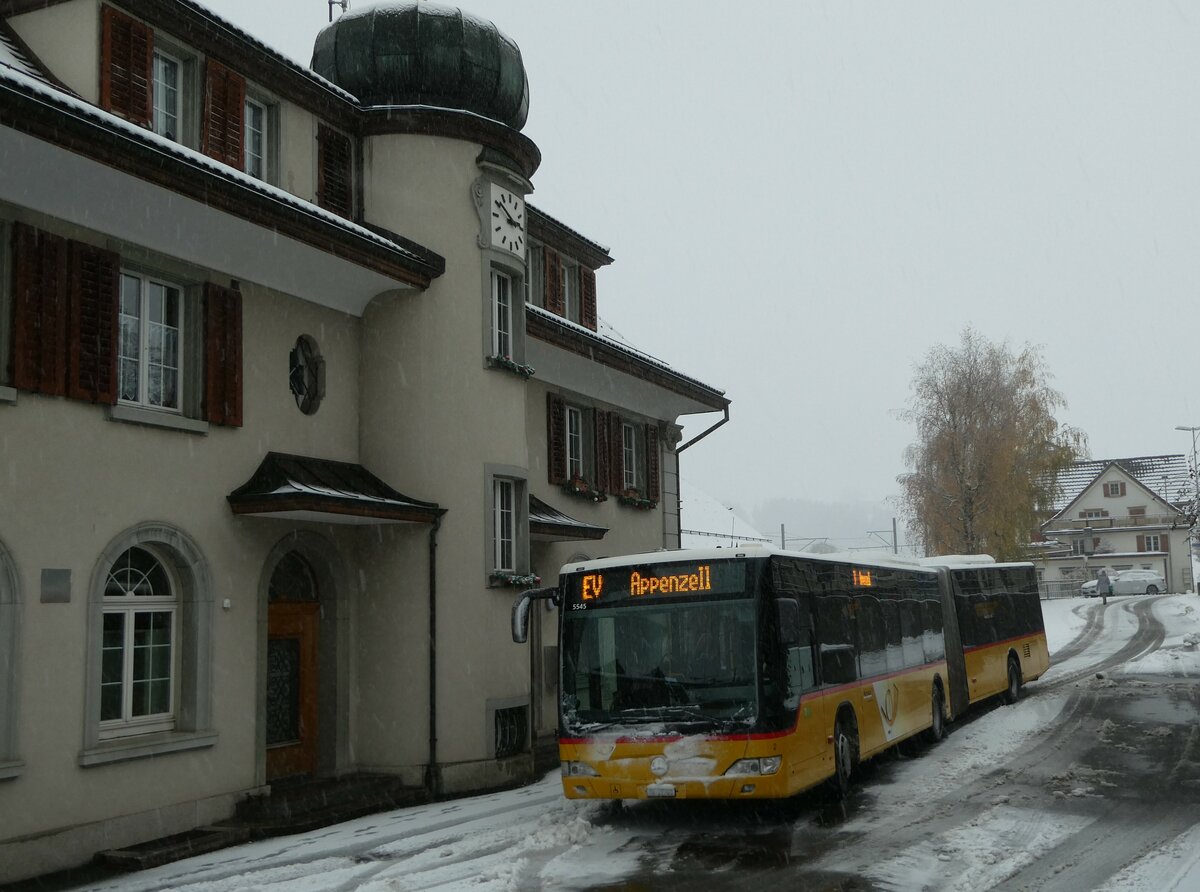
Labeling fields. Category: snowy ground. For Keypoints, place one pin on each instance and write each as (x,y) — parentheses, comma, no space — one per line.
(534,839)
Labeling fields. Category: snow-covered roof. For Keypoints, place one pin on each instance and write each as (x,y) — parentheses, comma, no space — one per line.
(11,56)
(276,56)
(321,489)
(1164,475)
(52,97)
(706,523)
(646,358)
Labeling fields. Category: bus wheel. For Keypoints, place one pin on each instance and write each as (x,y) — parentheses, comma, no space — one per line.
(845,753)
(937,729)
(1013,692)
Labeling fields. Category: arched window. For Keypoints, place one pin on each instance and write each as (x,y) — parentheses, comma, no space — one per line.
(140,641)
(150,629)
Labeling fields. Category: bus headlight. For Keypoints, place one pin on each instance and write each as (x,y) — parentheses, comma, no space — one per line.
(762,766)
(578,769)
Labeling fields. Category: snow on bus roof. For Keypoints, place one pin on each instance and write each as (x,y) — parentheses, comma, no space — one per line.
(750,550)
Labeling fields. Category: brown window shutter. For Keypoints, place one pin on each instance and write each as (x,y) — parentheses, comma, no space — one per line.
(1141,543)
(587,297)
(335,166)
(222,355)
(555,300)
(556,439)
(602,451)
(40,305)
(92,326)
(224,112)
(1122,487)
(653,464)
(616,453)
(126,66)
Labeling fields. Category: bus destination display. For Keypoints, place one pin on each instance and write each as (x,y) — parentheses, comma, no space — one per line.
(659,580)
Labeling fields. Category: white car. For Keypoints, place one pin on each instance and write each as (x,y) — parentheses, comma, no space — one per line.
(1129,582)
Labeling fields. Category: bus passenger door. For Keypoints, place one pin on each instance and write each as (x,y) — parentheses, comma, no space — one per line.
(807,744)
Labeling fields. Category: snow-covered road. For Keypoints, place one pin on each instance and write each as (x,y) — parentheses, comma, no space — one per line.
(1090,781)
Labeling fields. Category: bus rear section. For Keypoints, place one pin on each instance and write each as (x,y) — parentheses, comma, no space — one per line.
(998,614)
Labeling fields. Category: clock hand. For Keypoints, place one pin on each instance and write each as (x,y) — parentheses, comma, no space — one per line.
(506,213)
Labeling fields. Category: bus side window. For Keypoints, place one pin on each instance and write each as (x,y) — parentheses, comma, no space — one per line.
(800,675)
(835,631)
(796,637)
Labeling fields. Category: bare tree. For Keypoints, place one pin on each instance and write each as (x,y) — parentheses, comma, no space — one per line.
(988,448)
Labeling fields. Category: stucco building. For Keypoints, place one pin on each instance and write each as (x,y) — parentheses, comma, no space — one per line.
(296,393)
(1119,514)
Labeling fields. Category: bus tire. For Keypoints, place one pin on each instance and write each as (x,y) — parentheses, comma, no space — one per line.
(1012,693)
(937,727)
(845,755)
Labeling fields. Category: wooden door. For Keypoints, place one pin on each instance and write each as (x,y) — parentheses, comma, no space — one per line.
(291,688)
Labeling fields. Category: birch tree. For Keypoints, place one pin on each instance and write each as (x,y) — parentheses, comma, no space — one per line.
(988,449)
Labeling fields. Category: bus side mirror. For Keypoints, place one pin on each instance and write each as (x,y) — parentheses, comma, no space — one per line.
(788,612)
(520,619)
(520,611)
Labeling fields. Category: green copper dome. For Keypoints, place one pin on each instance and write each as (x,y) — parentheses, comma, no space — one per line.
(425,54)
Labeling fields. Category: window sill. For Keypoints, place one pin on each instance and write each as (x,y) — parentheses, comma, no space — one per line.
(508,364)
(144,746)
(8,395)
(152,418)
(9,770)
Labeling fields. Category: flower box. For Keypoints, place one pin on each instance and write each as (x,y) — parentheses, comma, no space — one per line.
(509,364)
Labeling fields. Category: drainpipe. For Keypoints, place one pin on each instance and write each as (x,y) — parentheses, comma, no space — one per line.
(433,774)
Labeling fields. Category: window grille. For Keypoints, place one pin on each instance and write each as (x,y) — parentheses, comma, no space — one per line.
(512,731)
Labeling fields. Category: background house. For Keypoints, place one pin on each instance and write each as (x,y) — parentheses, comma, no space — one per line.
(296,394)
(1121,514)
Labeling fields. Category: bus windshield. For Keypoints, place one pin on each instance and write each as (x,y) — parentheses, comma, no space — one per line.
(664,657)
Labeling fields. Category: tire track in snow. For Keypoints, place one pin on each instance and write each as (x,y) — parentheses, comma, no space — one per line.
(942,842)
(1147,638)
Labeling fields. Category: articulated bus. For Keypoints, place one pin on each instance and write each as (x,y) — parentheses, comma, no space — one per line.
(759,673)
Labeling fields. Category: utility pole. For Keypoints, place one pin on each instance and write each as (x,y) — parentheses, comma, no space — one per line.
(1194,513)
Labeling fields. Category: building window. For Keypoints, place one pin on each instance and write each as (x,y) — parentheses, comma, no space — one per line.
(168,75)
(1138,511)
(150,630)
(335,171)
(256,139)
(1093,513)
(1114,489)
(575,443)
(629,456)
(149,366)
(139,644)
(504,524)
(570,291)
(1151,542)
(511,730)
(535,281)
(502,327)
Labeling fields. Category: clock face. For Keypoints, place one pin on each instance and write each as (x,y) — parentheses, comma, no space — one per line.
(506,214)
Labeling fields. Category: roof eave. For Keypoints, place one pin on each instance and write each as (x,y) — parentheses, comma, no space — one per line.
(570,337)
(59,124)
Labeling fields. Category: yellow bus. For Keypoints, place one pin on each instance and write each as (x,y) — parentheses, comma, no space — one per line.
(759,673)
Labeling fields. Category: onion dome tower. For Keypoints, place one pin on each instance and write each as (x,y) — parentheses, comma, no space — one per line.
(425,55)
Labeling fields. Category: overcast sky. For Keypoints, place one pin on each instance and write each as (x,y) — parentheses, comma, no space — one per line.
(802,199)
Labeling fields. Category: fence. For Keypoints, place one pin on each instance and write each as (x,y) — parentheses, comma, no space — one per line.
(1059,588)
